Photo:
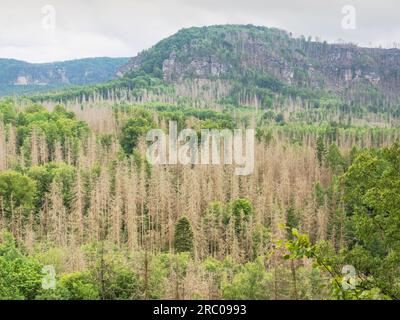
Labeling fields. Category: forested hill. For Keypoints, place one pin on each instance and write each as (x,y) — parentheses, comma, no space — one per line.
(85,215)
(246,65)
(260,57)
(22,77)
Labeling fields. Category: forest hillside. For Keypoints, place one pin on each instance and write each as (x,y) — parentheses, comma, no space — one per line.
(84,214)
(19,77)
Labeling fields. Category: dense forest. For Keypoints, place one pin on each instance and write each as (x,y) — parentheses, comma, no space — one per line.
(80,204)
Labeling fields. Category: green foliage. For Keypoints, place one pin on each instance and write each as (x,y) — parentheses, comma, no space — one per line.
(335,159)
(137,86)
(121,283)
(319,194)
(372,198)
(311,284)
(261,238)
(45,175)
(252,282)
(280,119)
(292,219)
(17,192)
(157,276)
(241,210)
(77,286)
(20,276)
(72,286)
(264,135)
(135,128)
(111,273)
(301,247)
(183,236)
(8,114)
(59,126)
(321,150)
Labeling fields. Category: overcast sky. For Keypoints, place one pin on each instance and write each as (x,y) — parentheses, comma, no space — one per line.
(88,28)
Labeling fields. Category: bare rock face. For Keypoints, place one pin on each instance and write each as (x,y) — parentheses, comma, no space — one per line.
(45,78)
(198,67)
(235,51)
(22,81)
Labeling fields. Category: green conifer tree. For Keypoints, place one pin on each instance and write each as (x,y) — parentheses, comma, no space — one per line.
(183,238)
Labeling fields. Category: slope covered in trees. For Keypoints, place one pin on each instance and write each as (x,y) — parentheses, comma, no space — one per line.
(265,68)
(76,197)
(19,77)
(266,61)
(84,215)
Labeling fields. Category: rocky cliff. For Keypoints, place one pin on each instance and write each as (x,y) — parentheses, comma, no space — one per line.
(241,53)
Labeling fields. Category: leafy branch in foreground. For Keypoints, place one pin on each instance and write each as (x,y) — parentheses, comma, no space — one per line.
(344,287)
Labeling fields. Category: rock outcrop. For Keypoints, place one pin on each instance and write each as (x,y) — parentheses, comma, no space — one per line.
(234,52)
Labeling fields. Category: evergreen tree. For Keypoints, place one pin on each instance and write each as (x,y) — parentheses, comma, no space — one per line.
(321,151)
(334,158)
(183,239)
(242,210)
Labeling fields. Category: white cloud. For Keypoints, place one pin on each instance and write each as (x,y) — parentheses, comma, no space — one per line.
(124,27)
(65,46)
